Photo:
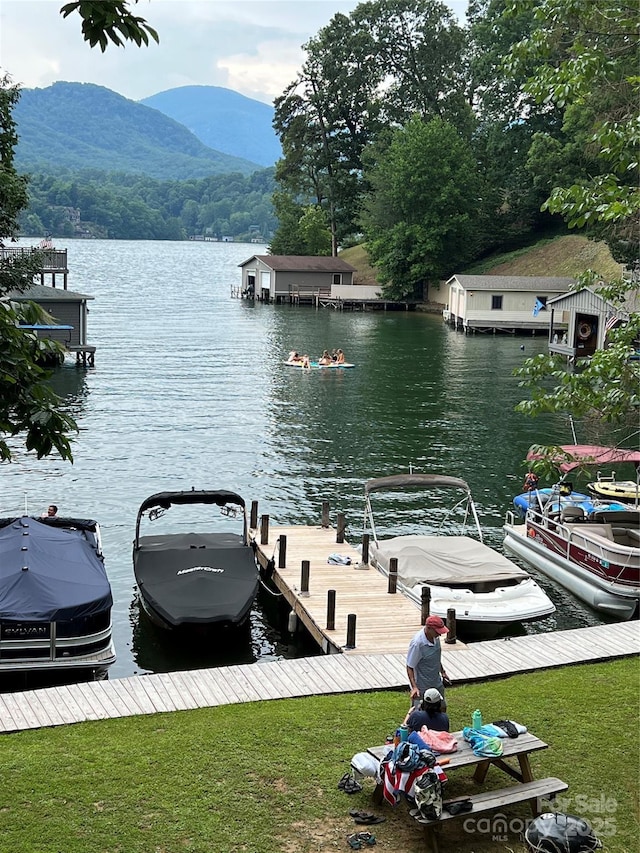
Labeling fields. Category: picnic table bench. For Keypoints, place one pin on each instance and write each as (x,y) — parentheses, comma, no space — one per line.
(527,788)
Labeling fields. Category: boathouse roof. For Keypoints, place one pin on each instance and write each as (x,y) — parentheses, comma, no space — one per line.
(45,293)
(533,283)
(301,263)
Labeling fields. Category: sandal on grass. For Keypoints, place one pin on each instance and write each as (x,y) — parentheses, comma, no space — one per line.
(369,819)
(354,842)
(351,787)
(346,778)
(366,838)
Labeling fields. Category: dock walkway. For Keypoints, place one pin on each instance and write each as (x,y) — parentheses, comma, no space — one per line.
(326,674)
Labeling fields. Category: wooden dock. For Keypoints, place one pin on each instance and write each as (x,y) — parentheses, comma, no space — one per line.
(326,674)
(384,623)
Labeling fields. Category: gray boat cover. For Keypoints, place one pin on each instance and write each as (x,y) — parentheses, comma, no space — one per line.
(444,560)
(50,573)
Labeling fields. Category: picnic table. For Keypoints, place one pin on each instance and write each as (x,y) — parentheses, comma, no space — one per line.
(514,762)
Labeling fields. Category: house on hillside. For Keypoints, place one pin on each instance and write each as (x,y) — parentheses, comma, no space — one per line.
(502,303)
(580,321)
(293,278)
(69,311)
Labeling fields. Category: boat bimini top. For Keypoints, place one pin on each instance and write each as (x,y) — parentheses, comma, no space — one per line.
(421,481)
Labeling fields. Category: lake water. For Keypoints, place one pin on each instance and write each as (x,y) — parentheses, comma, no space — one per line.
(189,390)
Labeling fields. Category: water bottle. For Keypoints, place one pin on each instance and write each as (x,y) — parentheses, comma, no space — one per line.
(476,720)
(404,733)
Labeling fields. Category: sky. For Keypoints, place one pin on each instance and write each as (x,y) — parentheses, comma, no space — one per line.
(251,46)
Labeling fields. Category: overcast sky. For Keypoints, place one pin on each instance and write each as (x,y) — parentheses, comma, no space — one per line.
(251,46)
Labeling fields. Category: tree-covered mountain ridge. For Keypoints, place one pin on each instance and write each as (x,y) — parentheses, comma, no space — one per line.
(79,126)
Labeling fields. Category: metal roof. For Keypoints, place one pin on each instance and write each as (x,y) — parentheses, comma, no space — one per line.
(44,293)
(528,283)
(302,263)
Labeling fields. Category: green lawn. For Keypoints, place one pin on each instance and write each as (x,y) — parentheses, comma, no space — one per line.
(262,777)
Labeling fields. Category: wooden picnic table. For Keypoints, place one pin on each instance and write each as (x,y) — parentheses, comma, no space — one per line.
(527,788)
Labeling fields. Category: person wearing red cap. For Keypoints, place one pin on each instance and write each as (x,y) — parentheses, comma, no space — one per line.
(424,659)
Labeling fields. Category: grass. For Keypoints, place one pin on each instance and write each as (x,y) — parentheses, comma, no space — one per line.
(262,777)
(560,256)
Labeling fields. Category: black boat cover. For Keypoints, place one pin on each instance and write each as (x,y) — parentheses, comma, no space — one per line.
(196,578)
(50,573)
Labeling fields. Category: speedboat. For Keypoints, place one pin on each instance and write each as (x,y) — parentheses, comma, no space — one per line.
(188,580)
(55,598)
(487,590)
(593,552)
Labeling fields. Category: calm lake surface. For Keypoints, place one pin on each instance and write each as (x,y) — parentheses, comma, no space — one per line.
(189,390)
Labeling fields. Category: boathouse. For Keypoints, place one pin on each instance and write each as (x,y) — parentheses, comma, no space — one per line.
(69,311)
(502,303)
(293,278)
(580,321)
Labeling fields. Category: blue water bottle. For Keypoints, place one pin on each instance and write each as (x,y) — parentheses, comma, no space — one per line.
(476,720)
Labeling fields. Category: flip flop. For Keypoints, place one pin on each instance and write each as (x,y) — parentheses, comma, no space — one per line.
(354,842)
(352,787)
(346,778)
(367,838)
(369,819)
(458,806)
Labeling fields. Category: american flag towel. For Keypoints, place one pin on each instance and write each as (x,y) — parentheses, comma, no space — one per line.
(396,782)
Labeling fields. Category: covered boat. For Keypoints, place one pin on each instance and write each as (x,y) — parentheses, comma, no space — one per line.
(594,552)
(195,579)
(487,590)
(55,598)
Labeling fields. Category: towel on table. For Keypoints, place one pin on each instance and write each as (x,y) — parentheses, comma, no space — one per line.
(396,782)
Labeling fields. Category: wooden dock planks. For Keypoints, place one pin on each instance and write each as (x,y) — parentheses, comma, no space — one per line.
(204,688)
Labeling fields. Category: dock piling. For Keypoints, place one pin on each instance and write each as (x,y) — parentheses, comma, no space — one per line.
(264,530)
(365,548)
(304,578)
(341,526)
(425,604)
(331,610)
(282,551)
(351,631)
(393,576)
(325,513)
(451,625)
(253,519)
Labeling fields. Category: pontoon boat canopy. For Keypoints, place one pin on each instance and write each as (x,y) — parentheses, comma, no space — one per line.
(591,454)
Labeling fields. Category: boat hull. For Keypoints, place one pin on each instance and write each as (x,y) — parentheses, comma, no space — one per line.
(536,545)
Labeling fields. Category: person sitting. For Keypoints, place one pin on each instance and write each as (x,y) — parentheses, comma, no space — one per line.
(531,481)
(325,358)
(293,355)
(340,358)
(52,512)
(305,361)
(429,713)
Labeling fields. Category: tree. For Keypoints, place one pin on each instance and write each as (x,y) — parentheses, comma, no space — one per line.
(420,219)
(588,65)
(28,406)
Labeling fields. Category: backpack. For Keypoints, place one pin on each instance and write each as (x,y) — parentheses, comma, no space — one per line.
(428,795)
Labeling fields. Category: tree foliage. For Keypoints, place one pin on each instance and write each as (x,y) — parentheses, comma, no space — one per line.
(588,61)
(420,216)
(105,21)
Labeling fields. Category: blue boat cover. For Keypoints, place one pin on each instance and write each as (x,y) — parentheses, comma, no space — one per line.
(50,573)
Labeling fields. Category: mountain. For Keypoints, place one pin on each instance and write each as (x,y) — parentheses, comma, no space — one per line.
(223,119)
(84,126)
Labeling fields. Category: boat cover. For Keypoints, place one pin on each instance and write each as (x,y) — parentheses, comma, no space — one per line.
(50,573)
(445,560)
(203,578)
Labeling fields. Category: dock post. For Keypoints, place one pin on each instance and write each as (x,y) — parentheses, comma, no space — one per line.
(365,548)
(393,576)
(325,513)
(331,610)
(451,625)
(351,631)
(340,527)
(304,578)
(282,551)
(253,520)
(425,603)
(264,530)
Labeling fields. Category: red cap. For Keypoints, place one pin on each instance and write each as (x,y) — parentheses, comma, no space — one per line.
(437,624)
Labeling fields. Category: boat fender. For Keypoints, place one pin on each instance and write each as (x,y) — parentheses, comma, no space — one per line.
(269,569)
(531,533)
